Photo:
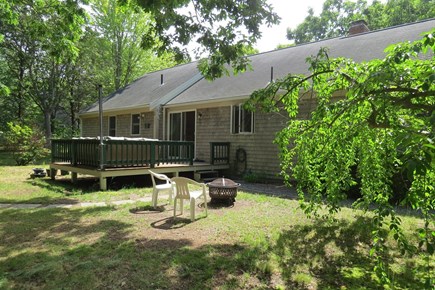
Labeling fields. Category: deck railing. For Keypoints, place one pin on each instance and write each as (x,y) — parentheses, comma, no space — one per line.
(121,153)
(219,152)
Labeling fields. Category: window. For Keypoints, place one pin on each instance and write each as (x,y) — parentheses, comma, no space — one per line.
(242,121)
(135,124)
(112,126)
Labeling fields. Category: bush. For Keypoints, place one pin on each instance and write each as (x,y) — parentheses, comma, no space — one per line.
(253,177)
(25,144)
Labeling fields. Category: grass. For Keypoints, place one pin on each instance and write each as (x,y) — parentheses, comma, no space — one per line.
(262,242)
(17,186)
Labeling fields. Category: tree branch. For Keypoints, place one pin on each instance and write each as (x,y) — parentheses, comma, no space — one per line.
(301,81)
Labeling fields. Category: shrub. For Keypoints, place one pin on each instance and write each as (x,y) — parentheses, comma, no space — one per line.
(25,144)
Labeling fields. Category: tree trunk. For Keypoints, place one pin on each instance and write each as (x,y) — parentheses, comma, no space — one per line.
(72,116)
(47,127)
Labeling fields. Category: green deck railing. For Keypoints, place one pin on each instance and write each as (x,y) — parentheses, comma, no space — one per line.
(219,152)
(121,153)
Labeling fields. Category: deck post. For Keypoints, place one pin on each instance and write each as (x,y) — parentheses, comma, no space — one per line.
(192,153)
(74,177)
(53,150)
(103,183)
(212,153)
(73,152)
(100,109)
(53,173)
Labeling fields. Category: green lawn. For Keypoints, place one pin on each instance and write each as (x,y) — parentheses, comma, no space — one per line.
(262,242)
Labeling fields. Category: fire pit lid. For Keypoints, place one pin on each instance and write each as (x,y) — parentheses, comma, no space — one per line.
(223,183)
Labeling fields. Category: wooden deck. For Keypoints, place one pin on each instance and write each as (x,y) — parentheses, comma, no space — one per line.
(172,169)
(131,156)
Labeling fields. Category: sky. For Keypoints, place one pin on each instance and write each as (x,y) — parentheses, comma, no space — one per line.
(292,13)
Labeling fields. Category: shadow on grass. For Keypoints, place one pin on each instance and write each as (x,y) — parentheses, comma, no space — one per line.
(93,248)
(89,184)
(62,192)
(170,223)
(336,256)
(219,204)
(57,249)
(147,209)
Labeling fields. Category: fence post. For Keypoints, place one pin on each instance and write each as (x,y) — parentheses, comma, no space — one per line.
(192,153)
(73,152)
(53,149)
(212,153)
(103,156)
(153,155)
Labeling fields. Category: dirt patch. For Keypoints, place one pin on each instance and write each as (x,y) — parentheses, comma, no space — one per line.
(158,227)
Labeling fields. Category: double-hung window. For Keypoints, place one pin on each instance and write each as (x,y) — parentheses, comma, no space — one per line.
(112,126)
(135,124)
(242,121)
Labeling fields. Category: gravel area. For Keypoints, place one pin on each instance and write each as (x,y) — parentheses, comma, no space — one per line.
(269,189)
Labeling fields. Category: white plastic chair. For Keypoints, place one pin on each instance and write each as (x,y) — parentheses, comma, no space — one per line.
(182,192)
(163,187)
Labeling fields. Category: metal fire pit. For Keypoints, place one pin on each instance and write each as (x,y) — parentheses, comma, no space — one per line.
(38,172)
(223,189)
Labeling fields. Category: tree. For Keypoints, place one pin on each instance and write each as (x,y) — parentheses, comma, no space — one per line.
(407,11)
(215,25)
(336,16)
(80,79)
(281,46)
(379,127)
(43,46)
(38,45)
(333,21)
(120,28)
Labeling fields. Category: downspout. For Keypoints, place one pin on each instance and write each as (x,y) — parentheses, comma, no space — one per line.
(157,116)
(164,124)
(100,110)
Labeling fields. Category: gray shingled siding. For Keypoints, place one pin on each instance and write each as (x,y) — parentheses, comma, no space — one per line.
(213,126)
(262,154)
(91,126)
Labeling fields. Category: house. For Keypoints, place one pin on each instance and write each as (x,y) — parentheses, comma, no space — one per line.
(179,104)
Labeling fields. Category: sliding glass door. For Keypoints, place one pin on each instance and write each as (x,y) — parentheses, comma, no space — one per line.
(181,127)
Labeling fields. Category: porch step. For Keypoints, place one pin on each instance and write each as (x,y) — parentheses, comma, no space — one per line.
(206,176)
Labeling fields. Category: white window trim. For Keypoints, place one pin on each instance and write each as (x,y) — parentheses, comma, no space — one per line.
(240,108)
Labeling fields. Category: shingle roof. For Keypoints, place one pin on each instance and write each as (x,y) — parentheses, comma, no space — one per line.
(148,89)
(183,86)
(360,47)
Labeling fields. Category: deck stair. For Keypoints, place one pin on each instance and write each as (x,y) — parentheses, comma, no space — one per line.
(206,175)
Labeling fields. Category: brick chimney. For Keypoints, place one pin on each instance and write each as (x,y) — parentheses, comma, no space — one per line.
(357,27)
